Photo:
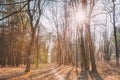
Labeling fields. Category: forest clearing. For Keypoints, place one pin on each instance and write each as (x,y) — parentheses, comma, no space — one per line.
(59,39)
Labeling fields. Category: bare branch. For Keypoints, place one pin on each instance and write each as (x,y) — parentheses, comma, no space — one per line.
(13,12)
(12,3)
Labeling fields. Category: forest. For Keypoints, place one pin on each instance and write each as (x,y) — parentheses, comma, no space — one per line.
(59,39)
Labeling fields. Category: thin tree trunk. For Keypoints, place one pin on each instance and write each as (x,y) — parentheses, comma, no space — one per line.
(115,35)
(29,55)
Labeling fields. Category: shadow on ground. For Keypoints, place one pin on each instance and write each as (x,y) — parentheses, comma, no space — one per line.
(68,74)
(87,75)
(47,73)
(18,74)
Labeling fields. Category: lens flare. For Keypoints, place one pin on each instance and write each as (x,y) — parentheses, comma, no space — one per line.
(80,16)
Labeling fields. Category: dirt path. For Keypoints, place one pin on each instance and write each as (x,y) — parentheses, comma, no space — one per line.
(56,73)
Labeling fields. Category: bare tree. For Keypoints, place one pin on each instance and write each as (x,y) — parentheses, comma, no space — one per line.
(33,27)
(115,34)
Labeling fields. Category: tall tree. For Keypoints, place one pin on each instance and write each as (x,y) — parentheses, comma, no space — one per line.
(33,26)
(115,33)
(88,32)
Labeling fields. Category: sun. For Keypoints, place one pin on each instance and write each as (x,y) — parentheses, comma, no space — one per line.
(80,16)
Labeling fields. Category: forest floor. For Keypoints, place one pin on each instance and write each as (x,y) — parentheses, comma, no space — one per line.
(54,72)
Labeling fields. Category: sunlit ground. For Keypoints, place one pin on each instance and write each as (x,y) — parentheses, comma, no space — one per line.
(55,72)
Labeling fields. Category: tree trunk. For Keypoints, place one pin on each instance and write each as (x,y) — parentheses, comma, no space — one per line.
(29,54)
(115,35)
